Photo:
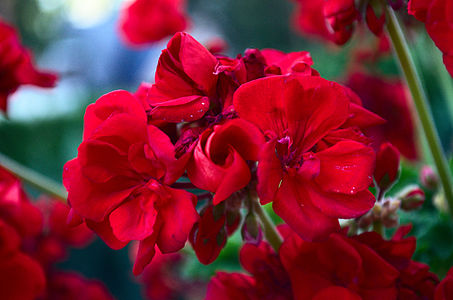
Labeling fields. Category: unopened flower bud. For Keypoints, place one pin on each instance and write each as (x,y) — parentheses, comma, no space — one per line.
(366,220)
(429,178)
(387,164)
(440,202)
(251,230)
(389,213)
(412,197)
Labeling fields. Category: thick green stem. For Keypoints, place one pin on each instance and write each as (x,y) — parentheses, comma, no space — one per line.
(270,232)
(33,178)
(421,103)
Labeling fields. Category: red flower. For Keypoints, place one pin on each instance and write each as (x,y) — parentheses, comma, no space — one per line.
(387,166)
(444,290)
(309,19)
(148,21)
(378,95)
(72,286)
(339,266)
(21,277)
(269,280)
(15,207)
(310,188)
(16,66)
(120,181)
(185,80)
(438,18)
(219,162)
(340,16)
(414,281)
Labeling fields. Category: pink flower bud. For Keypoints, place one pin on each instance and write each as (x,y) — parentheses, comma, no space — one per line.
(429,178)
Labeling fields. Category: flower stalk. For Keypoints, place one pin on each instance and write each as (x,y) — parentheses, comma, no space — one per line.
(34,178)
(270,231)
(421,104)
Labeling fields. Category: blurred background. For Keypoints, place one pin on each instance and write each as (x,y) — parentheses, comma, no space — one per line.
(79,40)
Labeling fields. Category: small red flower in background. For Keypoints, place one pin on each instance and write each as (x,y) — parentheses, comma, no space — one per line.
(379,95)
(21,277)
(311,184)
(120,181)
(268,279)
(147,21)
(72,286)
(444,291)
(334,20)
(16,66)
(438,18)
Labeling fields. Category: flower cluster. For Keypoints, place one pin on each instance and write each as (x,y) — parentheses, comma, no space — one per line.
(33,237)
(363,266)
(262,123)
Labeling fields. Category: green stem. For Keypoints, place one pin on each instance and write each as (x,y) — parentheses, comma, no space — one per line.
(270,232)
(33,178)
(379,228)
(421,103)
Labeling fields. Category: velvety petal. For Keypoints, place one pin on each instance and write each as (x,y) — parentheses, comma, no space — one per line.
(346,168)
(419,9)
(197,62)
(94,201)
(146,251)
(164,150)
(184,109)
(116,102)
(270,173)
(273,103)
(178,216)
(361,117)
(306,220)
(134,219)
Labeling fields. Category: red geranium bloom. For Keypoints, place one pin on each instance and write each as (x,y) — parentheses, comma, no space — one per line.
(21,277)
(148,21)
(185,79)
(414,281)
(269,279)
(438,18)
(311,184)
(16,66)
(378,95)
(15,207)
(120,181)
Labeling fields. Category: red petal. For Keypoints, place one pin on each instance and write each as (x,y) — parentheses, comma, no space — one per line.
(270,173)
(336,292)
(292,206)
(184,109)
(145,254)
(134,220)
(346,168)
(178,216)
